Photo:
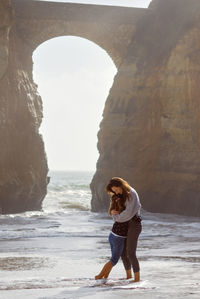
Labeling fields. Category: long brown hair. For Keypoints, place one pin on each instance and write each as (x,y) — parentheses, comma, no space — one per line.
(119,182)
(116,203)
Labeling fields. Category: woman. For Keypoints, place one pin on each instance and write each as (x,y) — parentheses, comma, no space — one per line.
(131,213)
(117,236)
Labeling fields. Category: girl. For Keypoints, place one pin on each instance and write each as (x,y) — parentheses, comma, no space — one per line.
(116,237)
(131,214)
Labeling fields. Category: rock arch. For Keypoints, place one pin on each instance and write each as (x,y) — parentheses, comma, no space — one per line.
(109,27)
(23,174)
(152,112)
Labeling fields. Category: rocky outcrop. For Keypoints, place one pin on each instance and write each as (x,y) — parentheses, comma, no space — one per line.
(23,166)
(151,128)
(6,16)
(109,27)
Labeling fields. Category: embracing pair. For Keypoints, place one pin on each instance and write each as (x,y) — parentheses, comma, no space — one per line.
(125,210)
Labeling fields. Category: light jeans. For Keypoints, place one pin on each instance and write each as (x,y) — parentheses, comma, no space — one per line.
(117,246)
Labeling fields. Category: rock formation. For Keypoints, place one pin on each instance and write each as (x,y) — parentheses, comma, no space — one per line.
(6,15)
(150,132)
(23,166)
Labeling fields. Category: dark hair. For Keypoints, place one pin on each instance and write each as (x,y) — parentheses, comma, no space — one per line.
(119,182)
(116,203)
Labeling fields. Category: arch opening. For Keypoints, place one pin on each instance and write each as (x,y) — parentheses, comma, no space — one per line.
(74,76)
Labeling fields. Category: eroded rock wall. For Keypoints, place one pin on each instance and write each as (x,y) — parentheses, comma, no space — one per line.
(6,16)
(151,127)
(23,166)
(150,130)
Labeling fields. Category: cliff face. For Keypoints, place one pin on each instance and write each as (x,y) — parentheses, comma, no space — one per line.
(150,132)
(23,166)
(6,15)
(151,128)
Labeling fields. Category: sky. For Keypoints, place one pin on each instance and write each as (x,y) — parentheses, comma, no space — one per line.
(129,3)
(74,76)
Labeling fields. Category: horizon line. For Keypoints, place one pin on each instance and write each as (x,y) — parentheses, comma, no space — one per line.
(73,170)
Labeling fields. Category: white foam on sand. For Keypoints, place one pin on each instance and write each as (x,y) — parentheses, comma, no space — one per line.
(56,253)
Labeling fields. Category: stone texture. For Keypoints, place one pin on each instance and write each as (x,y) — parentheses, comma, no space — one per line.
(150,130)
(6,16)
(23,166)
(112,28)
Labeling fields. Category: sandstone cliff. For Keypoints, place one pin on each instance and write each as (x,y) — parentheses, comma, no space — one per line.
(23,167)
(150,131)
(6,15)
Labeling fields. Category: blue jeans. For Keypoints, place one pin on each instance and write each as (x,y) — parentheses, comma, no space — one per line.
(117,245)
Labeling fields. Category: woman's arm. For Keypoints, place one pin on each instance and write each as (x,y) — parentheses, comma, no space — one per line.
(132,207)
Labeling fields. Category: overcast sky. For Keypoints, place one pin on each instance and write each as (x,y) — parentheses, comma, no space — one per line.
(74,76)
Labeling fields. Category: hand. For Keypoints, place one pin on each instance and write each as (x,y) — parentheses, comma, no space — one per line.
(114,212)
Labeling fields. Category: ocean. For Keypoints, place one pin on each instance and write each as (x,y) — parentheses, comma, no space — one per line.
(56,252)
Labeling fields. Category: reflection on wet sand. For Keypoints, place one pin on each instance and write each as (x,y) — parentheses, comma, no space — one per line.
(22,263)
